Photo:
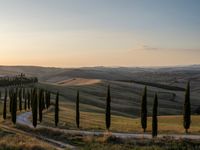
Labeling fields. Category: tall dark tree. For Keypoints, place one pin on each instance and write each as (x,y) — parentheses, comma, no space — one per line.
(77,111)
(11,93)
(154,117)
(40,105)
(57,109)
(34,107)
(108,108)
(187,109)
(20,99)
(14,107)
(4,107)
(144,110)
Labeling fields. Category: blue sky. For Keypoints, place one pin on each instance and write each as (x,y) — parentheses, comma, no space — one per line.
(73,33)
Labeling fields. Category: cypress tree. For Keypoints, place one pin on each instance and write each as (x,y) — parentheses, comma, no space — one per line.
(20,99)
(57,109)
(187,109)
(40,105)
(154,117)
(77,111)
(14,107)
(11,99)
(4,108)
(144,110)
(108,115)
(34,107)
(0,94)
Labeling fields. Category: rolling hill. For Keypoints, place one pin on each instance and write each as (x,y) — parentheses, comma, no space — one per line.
(126,86)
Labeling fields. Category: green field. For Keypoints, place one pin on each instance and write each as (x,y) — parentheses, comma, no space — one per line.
(96,121)
(125,106)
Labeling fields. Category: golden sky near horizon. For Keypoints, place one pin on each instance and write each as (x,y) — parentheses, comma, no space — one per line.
(73,49)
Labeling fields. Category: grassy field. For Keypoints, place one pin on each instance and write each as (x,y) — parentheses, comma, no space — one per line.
(92,114)
(10,140)
(109,142)
(15,141)
(126,101)
(125,108)
(96,121)
(126,97)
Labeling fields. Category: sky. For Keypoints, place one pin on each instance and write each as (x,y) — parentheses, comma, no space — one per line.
(80,33)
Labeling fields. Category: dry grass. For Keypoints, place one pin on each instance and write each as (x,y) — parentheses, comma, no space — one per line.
(112,143)
(17,141)
(109,142)
(96,121)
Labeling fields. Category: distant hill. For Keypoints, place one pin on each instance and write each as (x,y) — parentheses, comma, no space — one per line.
(127,84)
(167,75)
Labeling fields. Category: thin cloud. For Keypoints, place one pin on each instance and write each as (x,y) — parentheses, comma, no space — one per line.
(151,48)
(147,47)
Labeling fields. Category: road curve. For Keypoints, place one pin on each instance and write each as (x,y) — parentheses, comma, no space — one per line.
(23,119)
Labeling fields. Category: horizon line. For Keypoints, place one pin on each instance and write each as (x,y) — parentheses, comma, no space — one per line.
(103,66)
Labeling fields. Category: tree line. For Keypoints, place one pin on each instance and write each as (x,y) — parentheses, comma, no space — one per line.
(17,80)
(37,100)
(144,111)
(29,99)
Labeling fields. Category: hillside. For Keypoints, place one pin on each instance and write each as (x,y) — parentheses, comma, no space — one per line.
(126,93)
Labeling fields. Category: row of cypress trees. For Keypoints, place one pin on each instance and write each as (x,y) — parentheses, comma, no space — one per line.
(15,94)
(186,111)
(39,103)
(34,99)
(37,100)
(144,112)
(40,100)
(17,80)
(13,104)
(107,110)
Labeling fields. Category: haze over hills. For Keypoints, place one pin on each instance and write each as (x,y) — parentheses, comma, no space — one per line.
(154,74)
(126,84)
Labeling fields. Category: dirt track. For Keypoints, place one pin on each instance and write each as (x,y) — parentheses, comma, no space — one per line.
(23,119)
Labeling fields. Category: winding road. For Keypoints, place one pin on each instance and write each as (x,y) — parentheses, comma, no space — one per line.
(23,119)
